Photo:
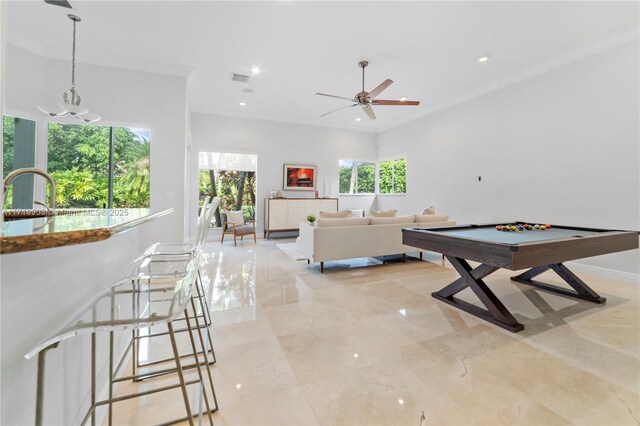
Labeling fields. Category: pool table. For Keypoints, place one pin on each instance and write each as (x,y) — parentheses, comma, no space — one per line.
(535,250)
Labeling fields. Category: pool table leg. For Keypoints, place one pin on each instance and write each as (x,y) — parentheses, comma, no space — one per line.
(496,313)
(582,290)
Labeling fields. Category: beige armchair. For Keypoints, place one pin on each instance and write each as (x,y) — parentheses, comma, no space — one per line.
(237,228)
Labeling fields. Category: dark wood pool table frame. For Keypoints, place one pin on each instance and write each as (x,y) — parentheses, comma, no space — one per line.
(539,256)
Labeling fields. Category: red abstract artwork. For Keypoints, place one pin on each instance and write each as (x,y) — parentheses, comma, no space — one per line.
(297,177)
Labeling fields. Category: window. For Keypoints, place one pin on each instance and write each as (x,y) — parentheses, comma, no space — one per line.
(232,177)
(357,177)
(99,166)
(18,151)
(393,176)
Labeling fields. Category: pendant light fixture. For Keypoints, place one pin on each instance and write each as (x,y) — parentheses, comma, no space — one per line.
(71,97)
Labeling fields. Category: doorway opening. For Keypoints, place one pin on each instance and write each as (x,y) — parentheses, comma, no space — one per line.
(232,177)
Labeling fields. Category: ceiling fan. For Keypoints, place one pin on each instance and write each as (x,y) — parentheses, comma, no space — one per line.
(366,99)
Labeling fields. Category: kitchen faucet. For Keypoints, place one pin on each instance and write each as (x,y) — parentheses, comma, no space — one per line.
(32,170)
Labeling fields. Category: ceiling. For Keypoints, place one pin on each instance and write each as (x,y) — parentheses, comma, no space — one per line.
(429,49)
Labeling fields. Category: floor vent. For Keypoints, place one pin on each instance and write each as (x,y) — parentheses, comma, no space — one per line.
(240,77)
(61,3)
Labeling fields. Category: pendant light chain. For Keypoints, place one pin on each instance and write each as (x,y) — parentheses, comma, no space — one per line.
(73,58)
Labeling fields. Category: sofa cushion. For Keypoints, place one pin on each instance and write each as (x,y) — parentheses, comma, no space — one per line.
(331,214)
(424,218)
(340,221)
(385,213)
(390,220)
(429,210)
(356,212)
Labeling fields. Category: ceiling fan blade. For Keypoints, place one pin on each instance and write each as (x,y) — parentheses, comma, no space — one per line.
(386,102)
(375,92)
(369,111)
(334,96)
(331,112)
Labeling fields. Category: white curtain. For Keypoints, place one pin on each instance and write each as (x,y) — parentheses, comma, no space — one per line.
(227,161)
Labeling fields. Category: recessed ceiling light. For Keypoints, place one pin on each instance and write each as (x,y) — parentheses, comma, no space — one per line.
(402,99)
(483,58)
(358,119)
(255,70)
(355,355)
(242,104)
(401,401)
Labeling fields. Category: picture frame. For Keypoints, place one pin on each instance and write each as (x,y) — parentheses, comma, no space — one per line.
(297,177)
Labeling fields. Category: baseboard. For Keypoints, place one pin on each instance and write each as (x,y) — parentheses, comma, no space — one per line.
(604,272)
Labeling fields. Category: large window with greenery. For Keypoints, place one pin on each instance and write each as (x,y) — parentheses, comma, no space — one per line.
(236,189)
(357,177)
(393,176)
(99,166)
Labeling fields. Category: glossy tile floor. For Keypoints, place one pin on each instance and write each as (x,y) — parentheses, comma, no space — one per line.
(369,345)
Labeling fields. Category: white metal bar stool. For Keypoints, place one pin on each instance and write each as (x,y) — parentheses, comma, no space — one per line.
(122,308)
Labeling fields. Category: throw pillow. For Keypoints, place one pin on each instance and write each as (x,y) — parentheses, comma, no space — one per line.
(341,213)
(339,221)
(235,217)
(385,213)
(422,218)
(429,210)
(356,212)
(393,220)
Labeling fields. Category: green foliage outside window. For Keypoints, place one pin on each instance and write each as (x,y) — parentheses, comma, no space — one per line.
(8,130)
(236,189)
(357,177)
(78,160)
(393,176)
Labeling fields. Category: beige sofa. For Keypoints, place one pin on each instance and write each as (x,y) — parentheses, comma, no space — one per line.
(348,238)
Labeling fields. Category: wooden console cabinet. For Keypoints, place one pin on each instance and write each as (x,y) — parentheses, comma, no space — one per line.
(286,214)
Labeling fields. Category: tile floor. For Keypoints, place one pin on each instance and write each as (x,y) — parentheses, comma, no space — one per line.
(369,345)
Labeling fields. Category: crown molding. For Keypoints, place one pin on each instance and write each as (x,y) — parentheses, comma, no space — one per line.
(591,49)
(93,59)
(264,117)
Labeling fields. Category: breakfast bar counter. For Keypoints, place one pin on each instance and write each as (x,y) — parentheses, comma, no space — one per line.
(68,227)
(50,267)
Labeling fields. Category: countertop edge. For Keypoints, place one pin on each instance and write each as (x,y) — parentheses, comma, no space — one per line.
(24,243)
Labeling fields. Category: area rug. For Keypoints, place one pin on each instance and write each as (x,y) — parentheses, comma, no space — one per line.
(291,250)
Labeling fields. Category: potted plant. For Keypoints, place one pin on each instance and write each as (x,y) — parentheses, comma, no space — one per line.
(312,219)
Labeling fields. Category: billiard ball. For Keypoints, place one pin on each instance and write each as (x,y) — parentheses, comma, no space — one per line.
(499,227)
(547,226)
(520,228)
(536,226)
(513,227)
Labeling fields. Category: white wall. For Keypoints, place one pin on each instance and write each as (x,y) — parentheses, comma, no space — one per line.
(121,97)
(561,148)
(275,144)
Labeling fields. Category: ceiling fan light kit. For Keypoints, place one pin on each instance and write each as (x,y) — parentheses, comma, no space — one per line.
(71,97)
(365,99)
